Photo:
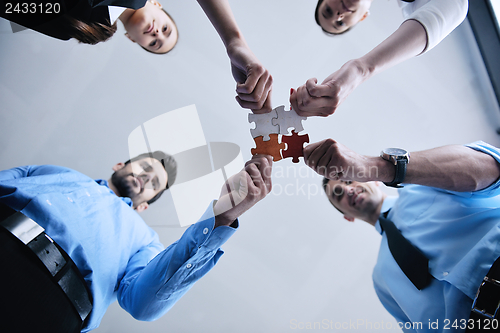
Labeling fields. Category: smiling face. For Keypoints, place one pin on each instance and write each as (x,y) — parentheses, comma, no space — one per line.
(356,200)
(337,16)
(139,180)
(152,28)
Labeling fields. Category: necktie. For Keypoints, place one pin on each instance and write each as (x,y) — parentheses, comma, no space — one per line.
(409,258)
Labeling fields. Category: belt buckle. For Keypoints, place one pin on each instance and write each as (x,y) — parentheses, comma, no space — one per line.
(21,226)
(487,295)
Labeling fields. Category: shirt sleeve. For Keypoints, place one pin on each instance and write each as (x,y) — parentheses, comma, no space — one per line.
(16,173)
(493,189)
(25,176)
(439,18)
(149,291)
(31,171)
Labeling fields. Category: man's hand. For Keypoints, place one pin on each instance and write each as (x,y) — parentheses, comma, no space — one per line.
(335,161)
(312,99)
(243,190)
(253,81)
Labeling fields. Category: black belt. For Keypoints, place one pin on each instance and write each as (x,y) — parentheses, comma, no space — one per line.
(486,304)
(63,270)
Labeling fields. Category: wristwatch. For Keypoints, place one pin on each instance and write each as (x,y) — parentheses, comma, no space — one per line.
(400,158)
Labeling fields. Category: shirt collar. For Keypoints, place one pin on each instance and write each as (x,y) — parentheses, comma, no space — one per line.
(104,182)
(388,203)
(114,13)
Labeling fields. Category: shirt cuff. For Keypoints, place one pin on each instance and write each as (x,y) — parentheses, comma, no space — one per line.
(206,236)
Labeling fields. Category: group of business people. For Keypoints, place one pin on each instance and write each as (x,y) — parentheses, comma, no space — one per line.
(148,279)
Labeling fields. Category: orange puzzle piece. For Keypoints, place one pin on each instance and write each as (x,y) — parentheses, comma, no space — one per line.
(271,147)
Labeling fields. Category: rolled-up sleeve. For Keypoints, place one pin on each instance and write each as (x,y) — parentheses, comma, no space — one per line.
(147,291)
(438,17)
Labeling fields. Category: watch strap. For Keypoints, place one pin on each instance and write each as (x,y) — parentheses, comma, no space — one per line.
(400,173)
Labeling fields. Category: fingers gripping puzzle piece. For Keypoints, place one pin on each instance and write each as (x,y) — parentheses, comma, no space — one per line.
(263,124)
(295,145)
(288,119)
(271,147)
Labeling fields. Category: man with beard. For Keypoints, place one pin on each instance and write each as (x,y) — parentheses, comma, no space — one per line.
(439,236)
(79,244)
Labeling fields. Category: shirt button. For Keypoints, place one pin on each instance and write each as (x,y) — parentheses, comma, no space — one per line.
(445,273)
(69,199)
(49,202)
(88,194)
(205,231)
(188,266)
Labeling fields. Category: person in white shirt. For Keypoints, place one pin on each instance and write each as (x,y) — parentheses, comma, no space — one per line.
(427,22)
(150,26)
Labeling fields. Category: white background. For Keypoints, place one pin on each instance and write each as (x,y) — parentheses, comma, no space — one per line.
(294,259)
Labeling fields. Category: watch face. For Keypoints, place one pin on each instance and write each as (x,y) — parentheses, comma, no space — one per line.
(395,151)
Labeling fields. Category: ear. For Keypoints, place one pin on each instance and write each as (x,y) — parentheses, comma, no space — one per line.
(365,16)
(118,166)
(349,218)
(142,207)
(128,36)
(156,3)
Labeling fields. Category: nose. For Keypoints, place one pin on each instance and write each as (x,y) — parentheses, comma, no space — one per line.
(146,178)
(340,16)
(349,190)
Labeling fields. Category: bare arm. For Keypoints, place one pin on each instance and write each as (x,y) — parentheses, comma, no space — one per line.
(222,18)
(314,99)
(405,43)
(253,81)
(456,168)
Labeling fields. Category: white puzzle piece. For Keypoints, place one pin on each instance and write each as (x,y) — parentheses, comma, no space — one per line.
(263,124)
(288,119)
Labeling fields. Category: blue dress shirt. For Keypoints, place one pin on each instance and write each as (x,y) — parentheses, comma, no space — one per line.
(459,233)
(119,256)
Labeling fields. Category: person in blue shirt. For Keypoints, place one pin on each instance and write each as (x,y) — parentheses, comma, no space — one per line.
(449,208)
(119,256)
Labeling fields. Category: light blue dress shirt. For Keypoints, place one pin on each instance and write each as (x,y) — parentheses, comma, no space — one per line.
(119,256)
(459,232)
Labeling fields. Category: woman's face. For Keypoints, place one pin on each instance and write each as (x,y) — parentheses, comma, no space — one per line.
(152,28)
(336,16)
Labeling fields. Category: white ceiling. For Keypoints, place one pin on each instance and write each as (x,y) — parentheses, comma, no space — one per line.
(294,259)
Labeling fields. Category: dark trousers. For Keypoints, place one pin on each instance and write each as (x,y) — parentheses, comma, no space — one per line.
(30,301)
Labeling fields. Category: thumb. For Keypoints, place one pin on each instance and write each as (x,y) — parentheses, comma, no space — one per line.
(317,90)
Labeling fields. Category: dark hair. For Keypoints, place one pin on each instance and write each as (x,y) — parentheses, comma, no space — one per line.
(325,183)
(89,33)
(169,164)
(316,17)
(175,42)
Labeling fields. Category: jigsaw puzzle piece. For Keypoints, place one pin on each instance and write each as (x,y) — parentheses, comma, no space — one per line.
(288,119)
(271,147)
(263,124)
(295,145)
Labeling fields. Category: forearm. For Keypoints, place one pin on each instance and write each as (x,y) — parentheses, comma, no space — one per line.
(407,42)
(148,291)
(222,18)
(456,168)
(154,291)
